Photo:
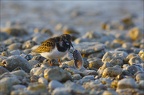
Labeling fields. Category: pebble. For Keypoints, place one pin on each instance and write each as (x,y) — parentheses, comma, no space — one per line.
(56,73)
(141,84)
(37,88)
(141,54)
(3,70)
(127,83)
(62,91)
(135,60)
(91,77)
(76,76)
(108,56)
(87,48)
(16,61)
(18,87)
(77,88)
(110,93)
(43,81)
(38,71)
(28,44)
(136,33)
(112,71)
(95,63)
(15,52)
(14,46)
(6,84)
(19,73)
(139,76)
(55,84)
(12,40)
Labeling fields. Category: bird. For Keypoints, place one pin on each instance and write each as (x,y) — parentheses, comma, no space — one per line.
(55,47)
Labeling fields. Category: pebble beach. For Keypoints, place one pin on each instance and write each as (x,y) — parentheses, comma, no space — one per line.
(108,34)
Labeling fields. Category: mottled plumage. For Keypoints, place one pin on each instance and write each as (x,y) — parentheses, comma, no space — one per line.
(56,47)
(46,46)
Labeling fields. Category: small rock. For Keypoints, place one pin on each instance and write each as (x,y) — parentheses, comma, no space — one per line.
(141,84)
(18,87)
(14,46)
(112,71)
(95,63)
(38,71)
(75,87)
(108,56)
(87,48)
(127,45)
(3,70)
(34,78)
(15,52)
(62,91)
(6,84)
(104,66)
(57,74)
(140,76)
(132,69)
(37,87)
(12,40)
(91,77)
(109,93)
(19,73)
(43,81)
(55,84)
(15,61)
(141,54)
(126,83)
(28,44)
(76,76)
(135,60)
(136,33)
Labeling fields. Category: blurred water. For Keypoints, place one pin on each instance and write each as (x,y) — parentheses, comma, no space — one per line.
(86,15)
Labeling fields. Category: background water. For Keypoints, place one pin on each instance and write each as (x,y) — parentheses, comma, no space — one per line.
(83,15)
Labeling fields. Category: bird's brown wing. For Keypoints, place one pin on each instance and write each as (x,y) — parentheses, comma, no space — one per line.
(46,46)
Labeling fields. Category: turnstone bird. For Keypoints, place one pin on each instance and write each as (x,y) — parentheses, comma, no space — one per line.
(55,47)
